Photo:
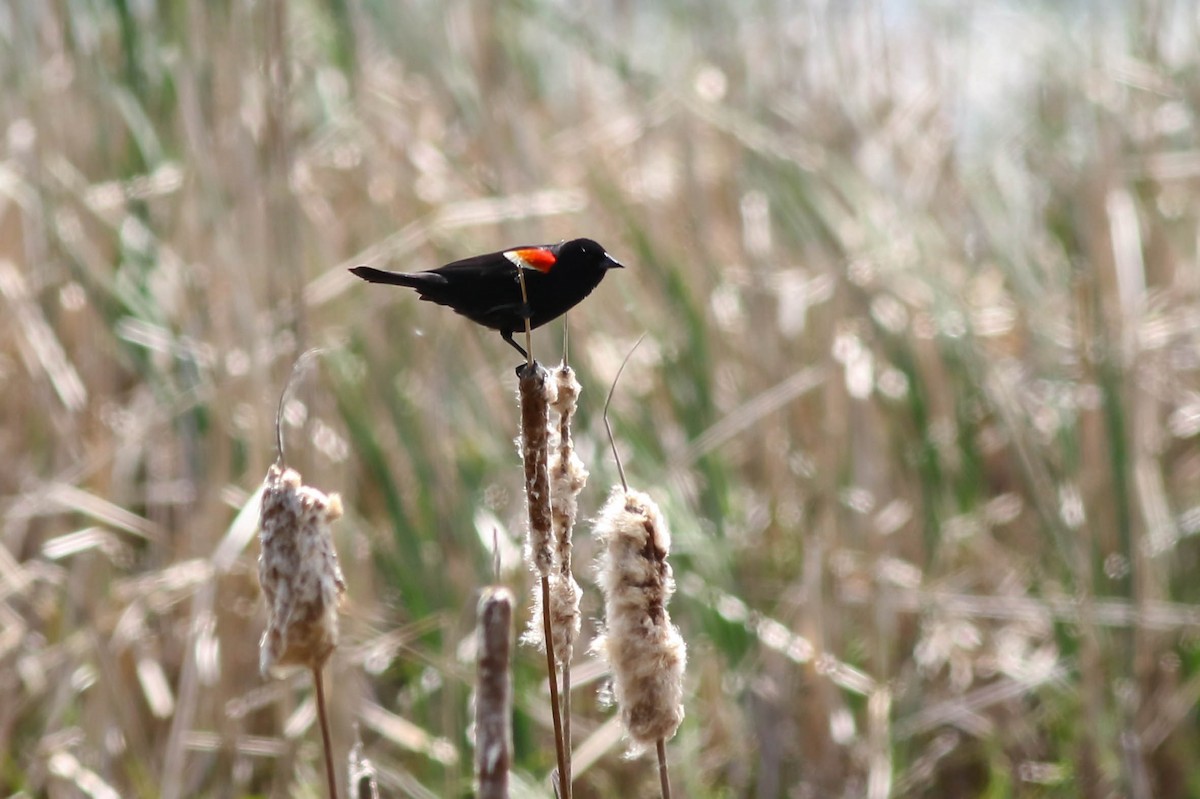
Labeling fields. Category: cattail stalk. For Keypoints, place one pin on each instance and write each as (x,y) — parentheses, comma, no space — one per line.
(493,698)
(664,776)
(643,648)
(536,392)
(323,718)
(302,582)
(568,476)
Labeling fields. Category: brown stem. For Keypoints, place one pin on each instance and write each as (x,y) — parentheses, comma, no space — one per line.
(564,776)
(664,778)
(566,720)
(322,715)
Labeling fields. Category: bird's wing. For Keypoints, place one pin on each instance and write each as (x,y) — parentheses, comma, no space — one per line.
(531,256)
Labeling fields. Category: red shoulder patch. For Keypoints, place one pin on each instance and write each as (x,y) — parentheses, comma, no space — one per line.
(533,257)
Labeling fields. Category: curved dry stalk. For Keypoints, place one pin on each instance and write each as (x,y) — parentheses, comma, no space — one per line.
(612,441)
(302,364)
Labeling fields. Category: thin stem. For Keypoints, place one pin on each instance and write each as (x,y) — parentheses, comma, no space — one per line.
(612,442)
(564,776)
(323,716)
(664,778)
(566,338)
(566,720)
(298,369)
(528,329)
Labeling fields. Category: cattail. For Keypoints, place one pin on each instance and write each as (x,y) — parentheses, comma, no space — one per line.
(565,594)
(299,572)
(568,476)
(493,697)
(536,392)
(644,650)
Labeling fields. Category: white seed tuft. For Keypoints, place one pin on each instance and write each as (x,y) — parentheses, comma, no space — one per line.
(644,650)
(299,572)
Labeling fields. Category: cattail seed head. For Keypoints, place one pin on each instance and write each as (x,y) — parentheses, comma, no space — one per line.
(565,594)
(567,479)
(299,572)
(643,648)
(536,392)
(568,475)
(493,698)
(568,391)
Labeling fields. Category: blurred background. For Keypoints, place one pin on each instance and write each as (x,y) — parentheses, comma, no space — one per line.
(920,394)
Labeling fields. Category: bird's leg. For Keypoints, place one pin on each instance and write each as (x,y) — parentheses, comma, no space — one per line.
(508,336)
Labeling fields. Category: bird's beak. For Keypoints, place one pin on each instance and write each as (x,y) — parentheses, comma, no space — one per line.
(613,263)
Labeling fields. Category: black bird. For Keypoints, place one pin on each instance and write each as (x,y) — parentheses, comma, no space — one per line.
(485,289)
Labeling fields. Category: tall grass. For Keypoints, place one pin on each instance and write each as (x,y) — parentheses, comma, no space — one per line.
(920,394)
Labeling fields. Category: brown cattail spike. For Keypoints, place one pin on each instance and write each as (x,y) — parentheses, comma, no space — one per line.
(299,572)
(537,391)
(644,649)
(493,698)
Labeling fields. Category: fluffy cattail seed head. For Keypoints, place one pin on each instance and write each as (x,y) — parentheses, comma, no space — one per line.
(643,648)
(568,475)
(299,572)
(567,479)
(565,594)
(568,390)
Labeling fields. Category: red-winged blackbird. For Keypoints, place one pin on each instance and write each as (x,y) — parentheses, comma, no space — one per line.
(485,289)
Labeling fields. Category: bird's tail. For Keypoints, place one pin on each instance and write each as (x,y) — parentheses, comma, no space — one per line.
(372,275)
